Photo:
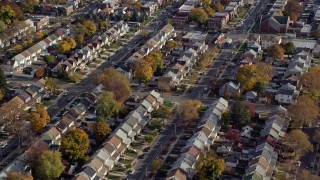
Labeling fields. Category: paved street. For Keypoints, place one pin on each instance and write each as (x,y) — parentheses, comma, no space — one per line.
(143,165)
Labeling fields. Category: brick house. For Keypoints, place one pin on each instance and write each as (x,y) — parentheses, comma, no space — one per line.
(274,24)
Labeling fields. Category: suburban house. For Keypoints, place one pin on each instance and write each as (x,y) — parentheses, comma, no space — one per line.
(269,39)
(230,89)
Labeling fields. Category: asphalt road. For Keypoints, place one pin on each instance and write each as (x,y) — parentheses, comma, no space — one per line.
(144,164)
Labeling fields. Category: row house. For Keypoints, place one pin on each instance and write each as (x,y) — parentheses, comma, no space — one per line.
(154,43)
(103,160)
(209,126)
(149,7)
(91,50)
(265,155)
(28,56)
(16,32)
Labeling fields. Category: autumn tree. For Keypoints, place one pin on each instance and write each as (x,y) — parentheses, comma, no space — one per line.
(40,72)
(80,38)
(218,7)
(209,168)
(189,110)
(137,5)
(107,106)
(39,35)
(304,113)
(34,152)
(293,9)
(299,141)
(155,165)
(240,113)
(18,12)
(171,44)
(115,82)
(205,2)
(104,25)
(276,52)
(288,47)
(249,75)
(209,11)
(251,109)
(52,85)
(7,14)
(90,26)
(311,81)
(306,175)
(233,135)
(38,118)
(63,47)
(199,16)
(18,47)
(15,175)
(75,145)
(29,5)
(49,166)
(142,71)
(70,41)
(102,131)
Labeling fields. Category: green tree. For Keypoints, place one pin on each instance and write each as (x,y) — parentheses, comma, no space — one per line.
(276,52)
(75,145)
(209,11)
(171,44)
(161,112)
(29,5)
(226,118)
(102,131)
(50,59)
(49,166)
(199,16)
(259,87)
(240,113)
(3,26)
(288,47)
(7,14)
(107,106)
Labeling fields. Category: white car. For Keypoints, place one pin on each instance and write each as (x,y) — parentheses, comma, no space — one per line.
(3,144)
(131,171)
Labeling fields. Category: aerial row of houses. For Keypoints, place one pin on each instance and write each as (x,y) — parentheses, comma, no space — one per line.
(16,32)
(156,42)
(187,57)
(91,51)
(204,136)
(220,19)
(28,56)
(264,158)
(104,159)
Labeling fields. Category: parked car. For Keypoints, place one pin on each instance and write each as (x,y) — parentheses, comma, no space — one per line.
(146,149)
(3,144)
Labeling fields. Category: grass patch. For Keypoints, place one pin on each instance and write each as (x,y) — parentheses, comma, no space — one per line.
(168,104)
(92,65)
(132,154)
(113,177)
(118,169)
(125,161)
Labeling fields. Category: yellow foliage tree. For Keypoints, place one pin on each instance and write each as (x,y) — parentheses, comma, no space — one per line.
(249,75)
(311,81)
(102,131)
(209,168)
(189,110)
(39,35)
(143,71)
